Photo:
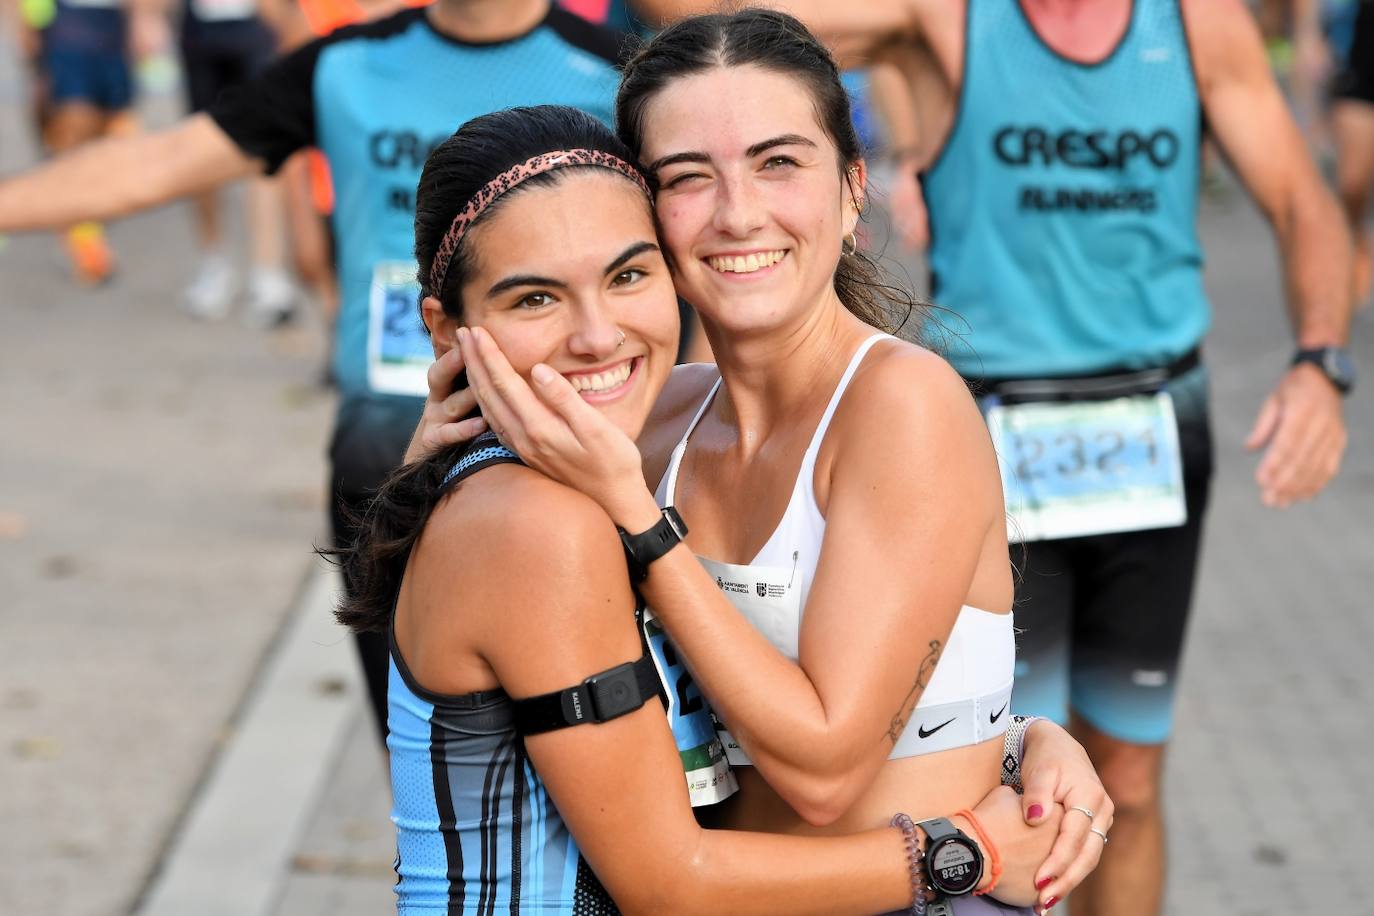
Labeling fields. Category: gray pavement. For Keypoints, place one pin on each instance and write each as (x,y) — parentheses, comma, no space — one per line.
(161,484)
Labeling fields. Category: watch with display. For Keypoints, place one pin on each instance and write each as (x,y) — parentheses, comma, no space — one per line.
(643,549)
(1334,362)
(953,863)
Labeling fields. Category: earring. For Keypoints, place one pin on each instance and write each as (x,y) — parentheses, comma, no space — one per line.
(850,244)
(621,342)
(857,203)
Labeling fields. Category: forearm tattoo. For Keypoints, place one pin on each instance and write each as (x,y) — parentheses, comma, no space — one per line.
(923,675)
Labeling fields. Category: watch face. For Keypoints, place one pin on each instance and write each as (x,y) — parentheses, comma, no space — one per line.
(955,867)
(1339,367)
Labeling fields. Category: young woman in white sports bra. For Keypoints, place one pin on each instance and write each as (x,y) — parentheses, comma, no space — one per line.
(847,610)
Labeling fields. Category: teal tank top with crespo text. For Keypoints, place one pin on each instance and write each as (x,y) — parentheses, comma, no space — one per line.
(1063,206)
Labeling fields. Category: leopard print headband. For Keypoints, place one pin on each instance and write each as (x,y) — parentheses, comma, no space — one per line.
(512,178)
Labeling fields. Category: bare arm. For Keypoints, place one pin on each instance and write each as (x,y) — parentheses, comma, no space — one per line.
(118,176)
(1301,423)
(890,86)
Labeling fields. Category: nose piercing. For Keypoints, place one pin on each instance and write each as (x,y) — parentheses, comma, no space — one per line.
(621,342)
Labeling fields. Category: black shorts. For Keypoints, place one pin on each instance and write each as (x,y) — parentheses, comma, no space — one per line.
(212,69)
(1101,619)
(1356,81)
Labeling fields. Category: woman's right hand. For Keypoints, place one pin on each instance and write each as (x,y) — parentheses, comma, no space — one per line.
(442,424)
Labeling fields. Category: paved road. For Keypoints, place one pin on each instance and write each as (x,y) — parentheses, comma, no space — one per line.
(161,484)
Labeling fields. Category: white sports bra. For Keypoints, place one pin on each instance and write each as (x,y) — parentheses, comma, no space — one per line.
(967,699)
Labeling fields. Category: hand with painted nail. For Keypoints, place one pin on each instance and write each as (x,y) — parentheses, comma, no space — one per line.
(1021,847)
(1058,776)
(556,432)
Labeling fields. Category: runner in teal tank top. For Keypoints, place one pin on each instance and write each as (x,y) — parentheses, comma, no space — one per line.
(1062,221)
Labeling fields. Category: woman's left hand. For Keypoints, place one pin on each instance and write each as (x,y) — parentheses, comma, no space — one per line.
(553,430)
(1056,770)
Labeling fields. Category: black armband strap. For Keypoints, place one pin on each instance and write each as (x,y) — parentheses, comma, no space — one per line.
(600,698)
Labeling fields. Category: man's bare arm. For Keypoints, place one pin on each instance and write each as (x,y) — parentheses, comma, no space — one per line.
(1251,121)
(118,176)
(1299,426)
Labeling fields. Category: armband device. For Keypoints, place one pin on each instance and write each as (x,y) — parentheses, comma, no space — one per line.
(602,697)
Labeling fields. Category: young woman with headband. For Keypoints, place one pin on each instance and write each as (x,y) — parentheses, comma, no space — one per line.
(852,626)
(531,764)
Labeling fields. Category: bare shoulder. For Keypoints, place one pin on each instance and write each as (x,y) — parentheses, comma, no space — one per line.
(1223,39)
(510,532)
(687,388)
(910,383)
(908,402)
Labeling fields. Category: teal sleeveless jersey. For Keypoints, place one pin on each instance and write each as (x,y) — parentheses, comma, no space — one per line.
(1063,206)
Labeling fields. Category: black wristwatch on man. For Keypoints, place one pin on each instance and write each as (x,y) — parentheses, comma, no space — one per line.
(643,549)
(1334,362)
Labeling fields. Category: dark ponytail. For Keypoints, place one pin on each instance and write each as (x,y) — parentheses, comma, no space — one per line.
(780,43)
(462,165)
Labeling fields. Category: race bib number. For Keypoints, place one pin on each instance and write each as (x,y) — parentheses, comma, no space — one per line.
(709,779)
(1092,467)
(223,10)
(398,349)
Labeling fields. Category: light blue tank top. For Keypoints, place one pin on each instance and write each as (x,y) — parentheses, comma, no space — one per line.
(1063,206)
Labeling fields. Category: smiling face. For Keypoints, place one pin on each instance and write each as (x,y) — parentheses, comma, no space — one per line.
(753,199)
(559,272)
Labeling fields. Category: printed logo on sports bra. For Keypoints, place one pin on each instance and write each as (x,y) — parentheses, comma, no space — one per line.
(992,720)
(922,733)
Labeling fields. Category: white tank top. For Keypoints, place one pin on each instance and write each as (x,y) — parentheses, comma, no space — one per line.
(968,697)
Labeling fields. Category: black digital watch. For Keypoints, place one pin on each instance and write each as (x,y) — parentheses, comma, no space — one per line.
(1334,362)
(643,549)
(953,863)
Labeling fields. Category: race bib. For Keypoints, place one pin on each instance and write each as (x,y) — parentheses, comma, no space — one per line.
(223,10)
(769,600)
(399,352)
(709,779)
(1090,467)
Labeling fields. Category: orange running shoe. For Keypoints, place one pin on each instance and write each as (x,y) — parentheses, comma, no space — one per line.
(92,260)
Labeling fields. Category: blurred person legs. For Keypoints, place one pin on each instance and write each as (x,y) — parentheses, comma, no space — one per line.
(224,42)
(88,89)
(1353,125)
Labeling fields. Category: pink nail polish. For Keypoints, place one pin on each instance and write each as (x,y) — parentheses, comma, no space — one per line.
(1035,812)
(1043,883)
(1049,904)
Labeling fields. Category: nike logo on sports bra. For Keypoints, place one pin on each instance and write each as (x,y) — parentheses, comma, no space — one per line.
(921,730)
(992,720)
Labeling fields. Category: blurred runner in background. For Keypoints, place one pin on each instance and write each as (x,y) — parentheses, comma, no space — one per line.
(375,98)
(224,42)
(1352,119)
(84,90)
(1059,143)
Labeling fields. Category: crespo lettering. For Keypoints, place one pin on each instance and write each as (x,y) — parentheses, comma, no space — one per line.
(1090,149)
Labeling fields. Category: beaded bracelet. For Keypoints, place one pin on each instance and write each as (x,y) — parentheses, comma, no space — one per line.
(1014,749)
(921,891)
